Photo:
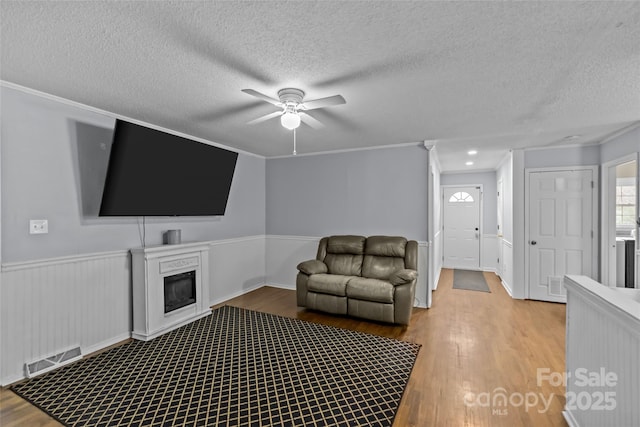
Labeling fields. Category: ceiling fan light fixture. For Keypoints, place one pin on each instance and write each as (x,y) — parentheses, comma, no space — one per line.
(293,108)
(290,120)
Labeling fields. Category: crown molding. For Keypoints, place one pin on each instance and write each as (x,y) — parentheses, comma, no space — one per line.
(113,115)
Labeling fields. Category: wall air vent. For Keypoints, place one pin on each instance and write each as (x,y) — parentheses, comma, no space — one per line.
(52,362)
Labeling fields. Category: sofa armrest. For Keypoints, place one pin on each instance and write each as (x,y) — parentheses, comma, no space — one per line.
(403,276)
(313,266)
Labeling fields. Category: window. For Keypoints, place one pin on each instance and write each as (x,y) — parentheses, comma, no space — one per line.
(625,204)
(461,197)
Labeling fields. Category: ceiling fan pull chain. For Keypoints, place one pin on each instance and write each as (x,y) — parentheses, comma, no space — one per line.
(294,143)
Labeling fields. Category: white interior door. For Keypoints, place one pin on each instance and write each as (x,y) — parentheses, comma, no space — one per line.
(461,227)
(560,238)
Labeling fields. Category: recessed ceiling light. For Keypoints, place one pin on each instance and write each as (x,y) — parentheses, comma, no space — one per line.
(472,152)
(469,163)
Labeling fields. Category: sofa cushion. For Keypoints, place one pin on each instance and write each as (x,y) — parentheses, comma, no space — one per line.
(386,246)
(344,255)
(346,245)
(345,264)
(330,284)
(313,266)
(383,256)
(381,267)
(370,289)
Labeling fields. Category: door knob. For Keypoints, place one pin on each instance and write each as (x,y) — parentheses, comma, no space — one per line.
(533,242)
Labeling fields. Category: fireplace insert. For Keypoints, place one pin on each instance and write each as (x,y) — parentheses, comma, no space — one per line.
(179,291)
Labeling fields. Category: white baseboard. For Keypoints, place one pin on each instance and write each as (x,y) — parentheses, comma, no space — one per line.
(506,287)
(10,379)
(281,286)
(106,343)
(437,278)
(235,294)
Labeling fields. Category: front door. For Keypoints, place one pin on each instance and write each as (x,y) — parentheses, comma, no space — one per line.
(461,227)
(560,237)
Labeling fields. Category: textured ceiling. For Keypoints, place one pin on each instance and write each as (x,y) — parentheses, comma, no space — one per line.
(483,75)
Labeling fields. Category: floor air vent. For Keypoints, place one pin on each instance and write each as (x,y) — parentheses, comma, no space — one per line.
(52,362)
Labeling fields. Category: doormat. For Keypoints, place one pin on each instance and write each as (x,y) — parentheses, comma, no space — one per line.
(470,280)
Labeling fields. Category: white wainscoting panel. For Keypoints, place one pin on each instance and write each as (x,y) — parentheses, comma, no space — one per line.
(48,306)
(284,253)
(506,266)
(603,340)
(423,290)
(51,305)
(236,266)
(489,252)
(437,258)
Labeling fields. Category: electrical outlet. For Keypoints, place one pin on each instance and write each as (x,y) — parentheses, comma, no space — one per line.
(38,226)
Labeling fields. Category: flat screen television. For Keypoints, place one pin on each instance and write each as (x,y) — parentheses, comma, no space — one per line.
(153,173)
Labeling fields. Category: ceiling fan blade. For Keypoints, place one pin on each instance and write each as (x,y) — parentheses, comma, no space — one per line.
(323,102)
(262,96)
(265,118)
(308,120)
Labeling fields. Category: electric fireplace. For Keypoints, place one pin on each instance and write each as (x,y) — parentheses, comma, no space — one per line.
(179,291)
(170,287)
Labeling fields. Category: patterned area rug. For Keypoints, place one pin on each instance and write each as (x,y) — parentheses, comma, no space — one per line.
(235,367)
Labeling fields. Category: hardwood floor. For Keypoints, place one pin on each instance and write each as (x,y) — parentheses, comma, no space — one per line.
(476,348)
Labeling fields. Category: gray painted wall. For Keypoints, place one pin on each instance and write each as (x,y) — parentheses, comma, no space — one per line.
(621,146)
(562,156)
(490,195)
(53,163)
(380,191)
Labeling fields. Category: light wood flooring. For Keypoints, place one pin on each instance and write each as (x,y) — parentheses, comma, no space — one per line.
(475,345)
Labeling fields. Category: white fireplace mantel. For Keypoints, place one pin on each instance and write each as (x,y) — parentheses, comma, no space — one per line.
(150,265)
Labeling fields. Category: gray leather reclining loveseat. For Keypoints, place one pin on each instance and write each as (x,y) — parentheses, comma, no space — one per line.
(372,278)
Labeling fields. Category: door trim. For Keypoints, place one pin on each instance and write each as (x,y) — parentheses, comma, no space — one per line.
(607,224)
(594,212)
(480,218)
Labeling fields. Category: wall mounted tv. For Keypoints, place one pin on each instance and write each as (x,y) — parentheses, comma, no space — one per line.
(153,173)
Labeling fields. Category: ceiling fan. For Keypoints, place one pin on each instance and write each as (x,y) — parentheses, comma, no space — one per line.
(293,108)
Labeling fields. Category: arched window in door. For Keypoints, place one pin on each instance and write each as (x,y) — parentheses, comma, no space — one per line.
(461,197)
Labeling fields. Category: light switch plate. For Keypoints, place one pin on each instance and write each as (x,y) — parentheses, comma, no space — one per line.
(38,226)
